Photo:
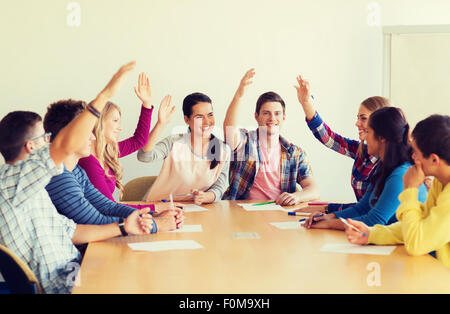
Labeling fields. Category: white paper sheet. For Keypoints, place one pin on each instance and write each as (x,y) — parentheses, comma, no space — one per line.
(189,228)
(245,235)
(190,208)
(288,225)
(357,249)
(251,207)
(157,246)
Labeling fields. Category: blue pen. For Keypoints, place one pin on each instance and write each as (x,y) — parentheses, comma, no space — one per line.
(351,226)
(295,214)
(303,219)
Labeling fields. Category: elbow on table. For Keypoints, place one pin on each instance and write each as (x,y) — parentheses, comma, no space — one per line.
(414,250)
(415,247)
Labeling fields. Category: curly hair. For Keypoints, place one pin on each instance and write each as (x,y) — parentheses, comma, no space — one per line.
(61,113)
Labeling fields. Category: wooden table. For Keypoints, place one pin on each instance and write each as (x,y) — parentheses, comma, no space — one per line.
(280,261)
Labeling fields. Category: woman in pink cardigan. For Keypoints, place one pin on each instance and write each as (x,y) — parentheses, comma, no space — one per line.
(102,166)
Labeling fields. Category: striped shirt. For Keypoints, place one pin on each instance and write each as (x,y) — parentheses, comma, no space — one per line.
(295,166)
(75,197)
(31,227)
(362,167)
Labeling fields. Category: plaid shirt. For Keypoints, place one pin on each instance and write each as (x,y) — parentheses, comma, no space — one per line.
(31,227)
(246,161)
(362,167)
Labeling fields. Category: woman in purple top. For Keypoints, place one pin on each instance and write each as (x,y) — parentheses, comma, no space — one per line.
(102,166)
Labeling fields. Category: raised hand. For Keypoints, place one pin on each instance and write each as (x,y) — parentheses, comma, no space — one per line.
(304,97)
(116,81)
(245,82)
(143,91)
(303,91)
(166,110)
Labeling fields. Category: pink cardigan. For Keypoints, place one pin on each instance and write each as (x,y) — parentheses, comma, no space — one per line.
(106,185)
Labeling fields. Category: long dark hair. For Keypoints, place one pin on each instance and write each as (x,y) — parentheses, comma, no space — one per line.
(389,123)
(213,154)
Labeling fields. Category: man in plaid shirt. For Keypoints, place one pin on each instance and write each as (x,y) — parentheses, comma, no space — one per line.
(29,223)
(265,165)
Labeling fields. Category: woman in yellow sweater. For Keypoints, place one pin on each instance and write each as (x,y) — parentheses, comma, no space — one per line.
(423,228)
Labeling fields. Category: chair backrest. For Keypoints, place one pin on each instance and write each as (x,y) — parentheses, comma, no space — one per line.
(135,189)
(17,274)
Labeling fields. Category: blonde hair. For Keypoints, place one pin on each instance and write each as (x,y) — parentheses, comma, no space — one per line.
(106,152)
(372,104)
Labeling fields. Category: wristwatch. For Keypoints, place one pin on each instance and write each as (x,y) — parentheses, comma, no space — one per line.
(122,227)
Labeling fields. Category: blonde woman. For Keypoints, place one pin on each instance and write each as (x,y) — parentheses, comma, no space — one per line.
(365,163)
(102,166)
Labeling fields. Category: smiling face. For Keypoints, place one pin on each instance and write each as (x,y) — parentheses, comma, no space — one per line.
(270,117)
(375,145)
(201,121)
(362,121)
(112,126)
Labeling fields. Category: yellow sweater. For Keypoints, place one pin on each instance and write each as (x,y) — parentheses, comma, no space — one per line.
(423,228)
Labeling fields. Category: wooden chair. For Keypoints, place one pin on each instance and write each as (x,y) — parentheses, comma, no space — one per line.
(134,190)
(18,276)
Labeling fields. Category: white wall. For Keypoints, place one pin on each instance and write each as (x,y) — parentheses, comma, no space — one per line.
(203,45)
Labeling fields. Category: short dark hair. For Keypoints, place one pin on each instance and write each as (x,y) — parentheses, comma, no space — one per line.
(191,100)
(432,136)
(60,113)
(15,129)
(269,97)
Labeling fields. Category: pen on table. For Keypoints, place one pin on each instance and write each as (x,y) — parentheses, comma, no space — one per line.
(351,226)
(298,214)
(303,219)
(166,201)
(263,203)
(317,203)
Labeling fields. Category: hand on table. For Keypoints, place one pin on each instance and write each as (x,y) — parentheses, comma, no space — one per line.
(287,199)
(139,222)
(169,219)
(355,237)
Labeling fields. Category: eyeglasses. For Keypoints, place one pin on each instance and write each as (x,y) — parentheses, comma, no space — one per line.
(46,137)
